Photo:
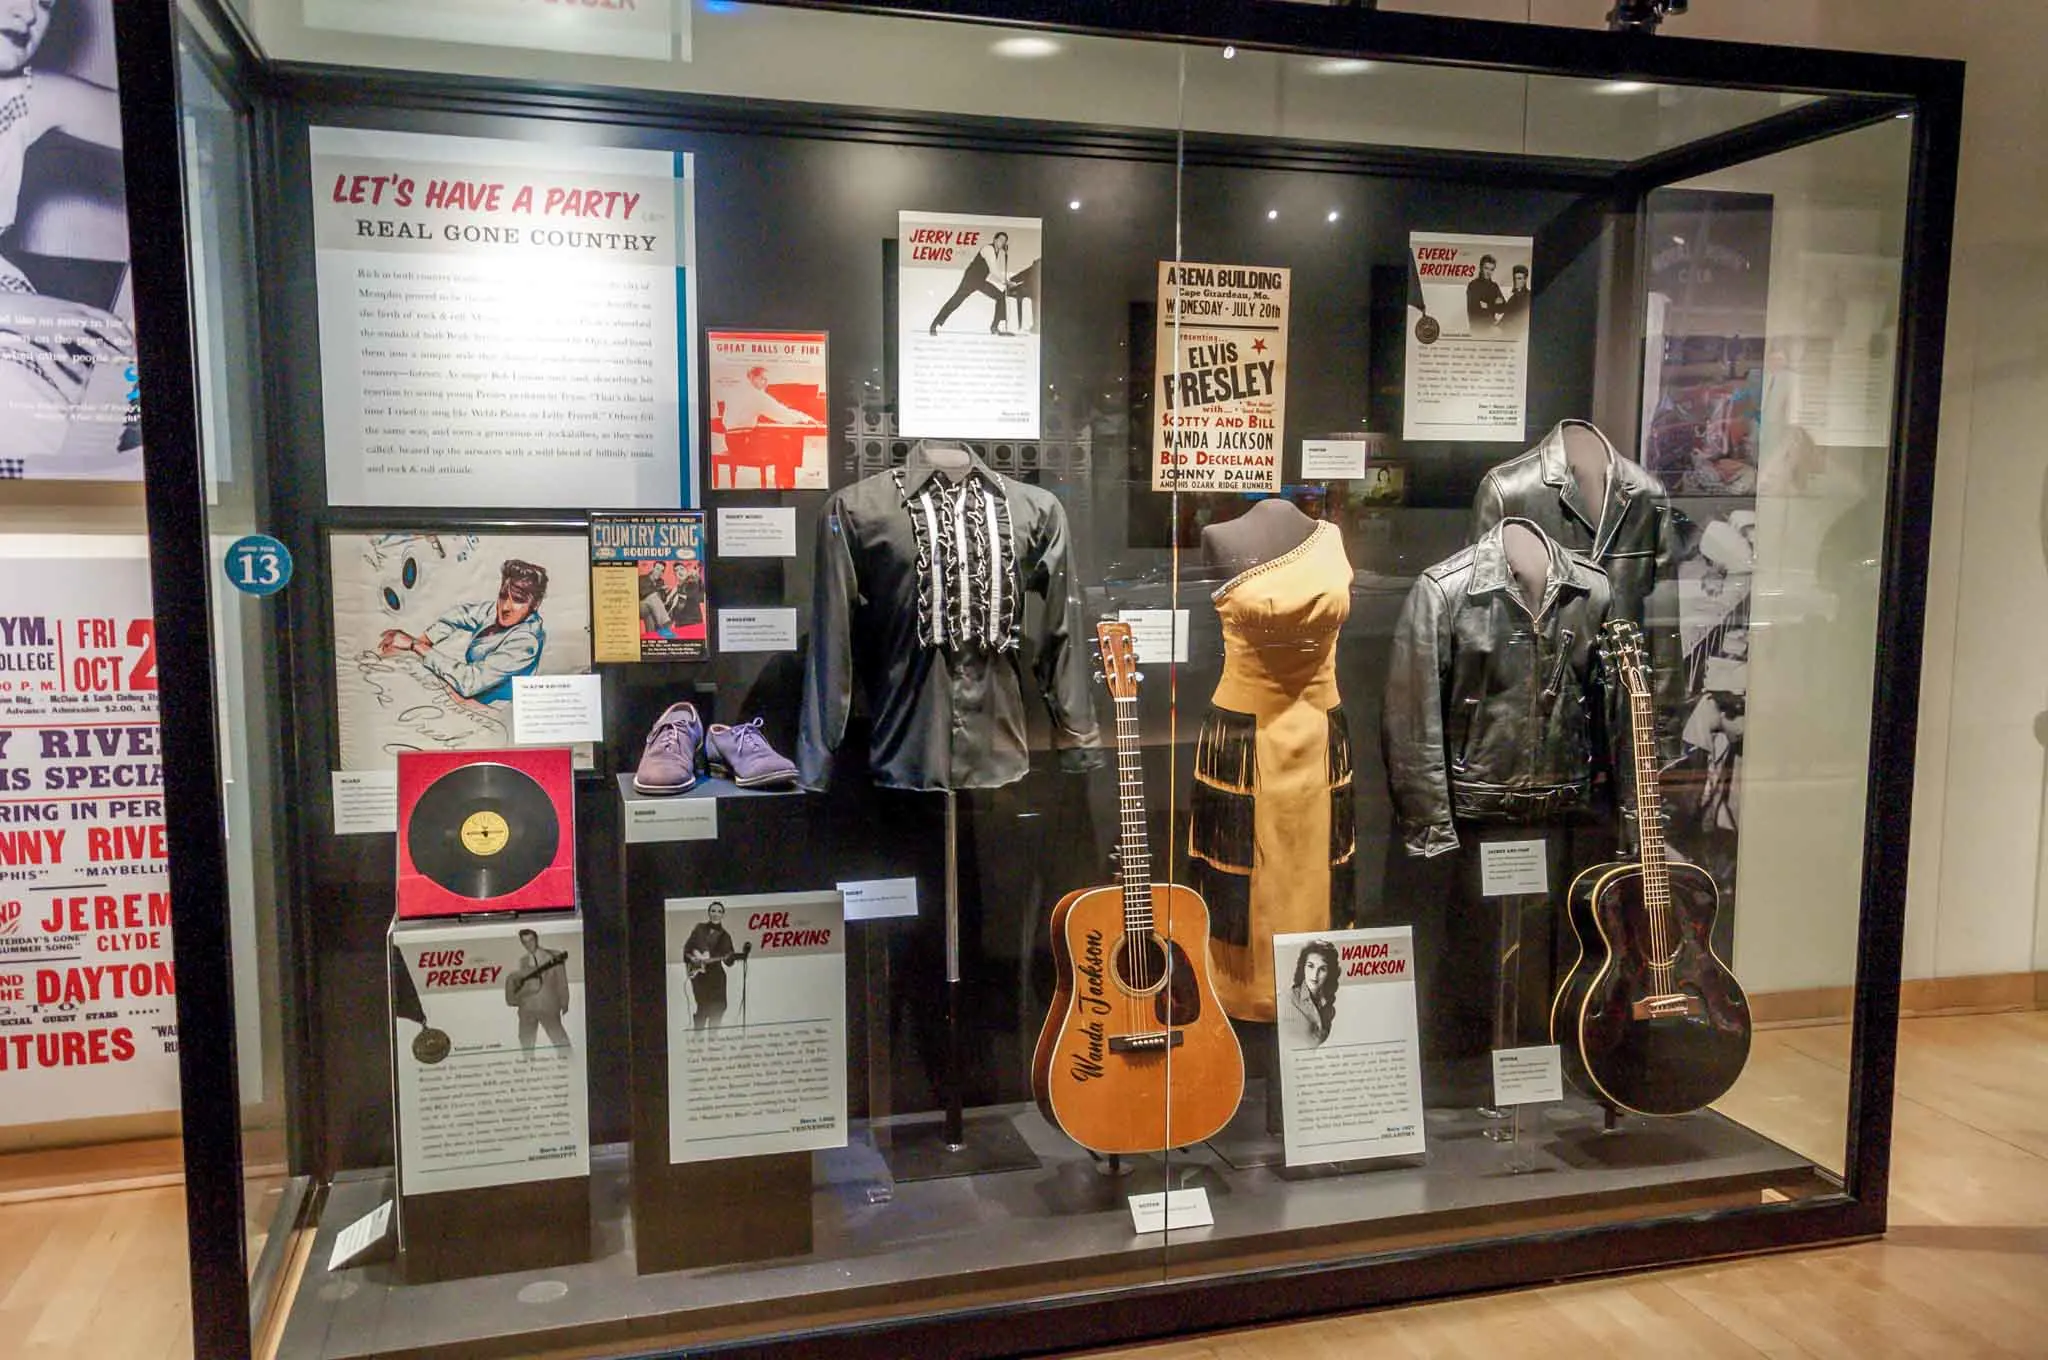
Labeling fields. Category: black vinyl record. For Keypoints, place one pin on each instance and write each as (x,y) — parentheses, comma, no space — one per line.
(483,831)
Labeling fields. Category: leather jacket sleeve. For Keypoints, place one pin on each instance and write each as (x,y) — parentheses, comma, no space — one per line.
(1061,668)
(1412,724)
(828,677)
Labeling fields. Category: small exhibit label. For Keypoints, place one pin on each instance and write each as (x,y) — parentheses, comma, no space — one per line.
(1333,460)
(365,801)
(1527,1076)
(876,899)
(557,710)
(1171,1211)
(650,820)
(1158,635)
(1509,868)
(765,531)
(757,630)
(359,1236)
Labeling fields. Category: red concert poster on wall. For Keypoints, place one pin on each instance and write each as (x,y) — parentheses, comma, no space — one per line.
(88,1002)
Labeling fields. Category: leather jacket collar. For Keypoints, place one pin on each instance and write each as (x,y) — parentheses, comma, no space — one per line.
(1603,521)
(1491,572)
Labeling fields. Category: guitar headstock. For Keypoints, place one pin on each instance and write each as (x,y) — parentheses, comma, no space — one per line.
(1119,658)
(1621,648)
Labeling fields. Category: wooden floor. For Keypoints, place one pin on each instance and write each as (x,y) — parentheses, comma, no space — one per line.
(1963,1273)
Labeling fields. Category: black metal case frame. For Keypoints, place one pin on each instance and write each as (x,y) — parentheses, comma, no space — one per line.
(1855,89)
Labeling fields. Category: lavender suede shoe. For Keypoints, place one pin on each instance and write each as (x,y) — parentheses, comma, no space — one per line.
(740,753)
(669,764)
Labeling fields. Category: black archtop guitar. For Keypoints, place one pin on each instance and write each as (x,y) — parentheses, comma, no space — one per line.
(1650,1020)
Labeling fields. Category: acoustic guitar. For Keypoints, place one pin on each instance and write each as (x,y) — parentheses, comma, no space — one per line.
(1135,1056)
(1649,1020)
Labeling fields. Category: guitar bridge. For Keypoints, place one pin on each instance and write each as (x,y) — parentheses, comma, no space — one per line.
(1157,1042)
(1672,1005)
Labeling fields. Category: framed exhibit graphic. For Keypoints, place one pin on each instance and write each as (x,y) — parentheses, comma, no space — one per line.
(501,324)
(432,630)
(1107,817)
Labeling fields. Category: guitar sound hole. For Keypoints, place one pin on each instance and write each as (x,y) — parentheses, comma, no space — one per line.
(1140,962)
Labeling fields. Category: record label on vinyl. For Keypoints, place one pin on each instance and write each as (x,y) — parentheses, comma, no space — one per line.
(483,831)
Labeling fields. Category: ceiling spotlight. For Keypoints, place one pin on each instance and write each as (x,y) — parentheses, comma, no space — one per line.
(1272,213)
(1024,48)
(1332,217)
(1642,16)
(1229,52)
(1073,205)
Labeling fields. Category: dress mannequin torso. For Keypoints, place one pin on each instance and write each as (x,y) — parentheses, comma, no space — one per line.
(1266,531)
(1529,558)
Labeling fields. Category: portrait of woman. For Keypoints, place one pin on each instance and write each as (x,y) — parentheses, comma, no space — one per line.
(1310,1005)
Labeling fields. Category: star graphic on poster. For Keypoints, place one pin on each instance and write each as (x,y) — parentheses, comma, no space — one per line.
(1258,346)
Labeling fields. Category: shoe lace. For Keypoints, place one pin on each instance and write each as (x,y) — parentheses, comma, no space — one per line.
(668,738)
(747,737)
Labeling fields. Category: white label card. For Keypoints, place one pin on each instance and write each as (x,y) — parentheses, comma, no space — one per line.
(1510,868)
(365,801)
(768,531)
(1527,1076)
(757,630)
(1171,1211)
(671,819)
(360,1236)
(1332,460)
(557,710)
(876,899)
(1159,635)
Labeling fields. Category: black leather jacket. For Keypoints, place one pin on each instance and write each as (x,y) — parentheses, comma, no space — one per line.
(1492,714)
(1631,538)
(1634,538)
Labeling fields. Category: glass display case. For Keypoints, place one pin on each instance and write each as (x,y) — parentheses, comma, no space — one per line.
(813,800)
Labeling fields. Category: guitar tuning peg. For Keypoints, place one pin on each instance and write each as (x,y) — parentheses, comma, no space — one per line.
(1098,677)
(1138,676)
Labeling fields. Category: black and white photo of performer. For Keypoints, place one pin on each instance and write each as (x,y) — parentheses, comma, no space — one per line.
(1514,313)
(538,987)
(63,240)
(708,953)
(988,271)
(1484,301)
(1312,1001)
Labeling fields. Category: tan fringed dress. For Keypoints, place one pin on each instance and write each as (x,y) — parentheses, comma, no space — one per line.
(1271,834)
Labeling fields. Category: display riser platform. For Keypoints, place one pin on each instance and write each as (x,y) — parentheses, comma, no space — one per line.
(1064,1222)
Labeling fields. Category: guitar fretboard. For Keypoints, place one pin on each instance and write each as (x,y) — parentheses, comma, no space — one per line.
(1135,863)
(1650,832)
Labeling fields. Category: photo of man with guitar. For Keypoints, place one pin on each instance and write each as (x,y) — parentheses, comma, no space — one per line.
(709,952)
(538,988)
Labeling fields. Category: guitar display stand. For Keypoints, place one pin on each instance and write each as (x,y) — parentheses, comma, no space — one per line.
(953,1144)
(1505,1125)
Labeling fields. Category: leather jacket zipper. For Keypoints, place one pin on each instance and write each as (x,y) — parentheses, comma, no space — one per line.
(1564,656)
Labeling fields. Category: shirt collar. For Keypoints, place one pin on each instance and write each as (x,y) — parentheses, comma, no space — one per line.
(918,469)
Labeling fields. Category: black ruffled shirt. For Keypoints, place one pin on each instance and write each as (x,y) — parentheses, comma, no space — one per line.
(920,607)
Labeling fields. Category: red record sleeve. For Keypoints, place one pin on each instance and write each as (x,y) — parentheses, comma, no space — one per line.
(508,832)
